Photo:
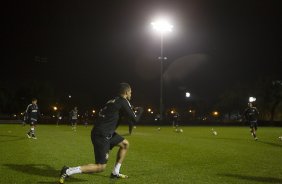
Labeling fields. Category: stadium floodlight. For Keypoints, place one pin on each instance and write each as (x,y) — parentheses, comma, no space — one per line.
(93,111)
(149,110)
(162,26)
(252,99)
(55,108)
(187,94)
(69,96)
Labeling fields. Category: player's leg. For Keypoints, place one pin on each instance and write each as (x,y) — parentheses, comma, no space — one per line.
(89,168)
(255,130)
(101,151)
(31,133)
(123,145)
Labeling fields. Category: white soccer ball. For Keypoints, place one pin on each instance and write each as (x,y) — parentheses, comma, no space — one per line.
(180,130)
(280,138)
(214,133)
(159,129)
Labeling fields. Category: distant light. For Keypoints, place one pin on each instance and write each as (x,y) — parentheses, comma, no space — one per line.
(22,113)
(162,26)
(53,116)
(215,113)
(149,110)
(93,111)
(252,99)
(190,110)
(172,112)
(69,96)
(15,115)
(152,112)
(55,108)
(187,94)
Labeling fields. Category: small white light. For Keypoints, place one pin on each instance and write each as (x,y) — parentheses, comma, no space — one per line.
(187,94)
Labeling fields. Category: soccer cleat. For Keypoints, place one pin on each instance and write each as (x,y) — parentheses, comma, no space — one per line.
(256,139)
(28,135)
(63,175)
(118,176)
(33,136)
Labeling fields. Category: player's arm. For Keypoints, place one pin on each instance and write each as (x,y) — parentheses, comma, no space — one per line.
(27,112)
(134,117)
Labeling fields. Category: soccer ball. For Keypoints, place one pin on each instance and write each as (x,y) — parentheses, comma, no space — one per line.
(214,133)
(180,130)
(159,129)
(280,138)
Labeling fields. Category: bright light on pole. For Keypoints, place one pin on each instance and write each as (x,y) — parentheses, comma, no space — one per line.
(252,99)
(162,26)
(187,94)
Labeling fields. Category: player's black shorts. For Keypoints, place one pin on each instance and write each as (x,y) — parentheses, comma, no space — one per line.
(103,144)
(254,124)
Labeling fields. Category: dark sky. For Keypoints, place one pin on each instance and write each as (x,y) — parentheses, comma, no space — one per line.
(90,46)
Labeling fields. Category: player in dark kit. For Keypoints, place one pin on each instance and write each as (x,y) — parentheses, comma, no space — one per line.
(251,115)
(104,137)
(73,118)
(32,114)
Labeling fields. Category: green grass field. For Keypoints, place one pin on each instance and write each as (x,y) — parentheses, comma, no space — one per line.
(194,156)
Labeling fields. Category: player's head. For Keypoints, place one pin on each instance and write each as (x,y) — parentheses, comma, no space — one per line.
(34,101)
(125,90)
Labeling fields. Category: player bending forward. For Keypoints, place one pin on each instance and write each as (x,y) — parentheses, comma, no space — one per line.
(104,137)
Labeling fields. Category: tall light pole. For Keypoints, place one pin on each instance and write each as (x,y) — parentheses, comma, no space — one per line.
(161,26)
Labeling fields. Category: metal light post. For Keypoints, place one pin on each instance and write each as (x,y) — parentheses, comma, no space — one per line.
(161,26)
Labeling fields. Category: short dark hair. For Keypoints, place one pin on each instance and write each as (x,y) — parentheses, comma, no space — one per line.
(34,99)
(123,87)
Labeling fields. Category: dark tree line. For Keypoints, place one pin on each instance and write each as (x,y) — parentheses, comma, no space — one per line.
(267,92)
(15,97)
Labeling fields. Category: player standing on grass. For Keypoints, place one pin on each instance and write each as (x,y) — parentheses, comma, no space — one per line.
(104,137)
(73,118)
(251,115)
(32,114)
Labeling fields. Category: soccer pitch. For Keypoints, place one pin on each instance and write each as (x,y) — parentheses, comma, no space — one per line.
(194,156)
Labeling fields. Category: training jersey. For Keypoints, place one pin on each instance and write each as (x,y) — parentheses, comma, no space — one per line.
(251,114)
(109,116)
(32,112)
(74,114)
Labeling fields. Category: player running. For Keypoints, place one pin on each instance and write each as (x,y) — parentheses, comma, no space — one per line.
(251,115)
(32,114)
(104,137)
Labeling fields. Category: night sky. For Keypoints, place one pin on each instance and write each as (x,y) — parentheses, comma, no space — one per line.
(85,48)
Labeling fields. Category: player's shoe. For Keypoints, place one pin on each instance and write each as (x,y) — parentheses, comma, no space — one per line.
(28,135)
(33,137)
(256,138)
(63,175)
(118,176)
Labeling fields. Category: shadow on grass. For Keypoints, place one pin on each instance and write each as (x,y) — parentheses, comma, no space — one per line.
(213,137)
(254,178)
(270,143)
(8,138)
(125,134)
(40,170)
